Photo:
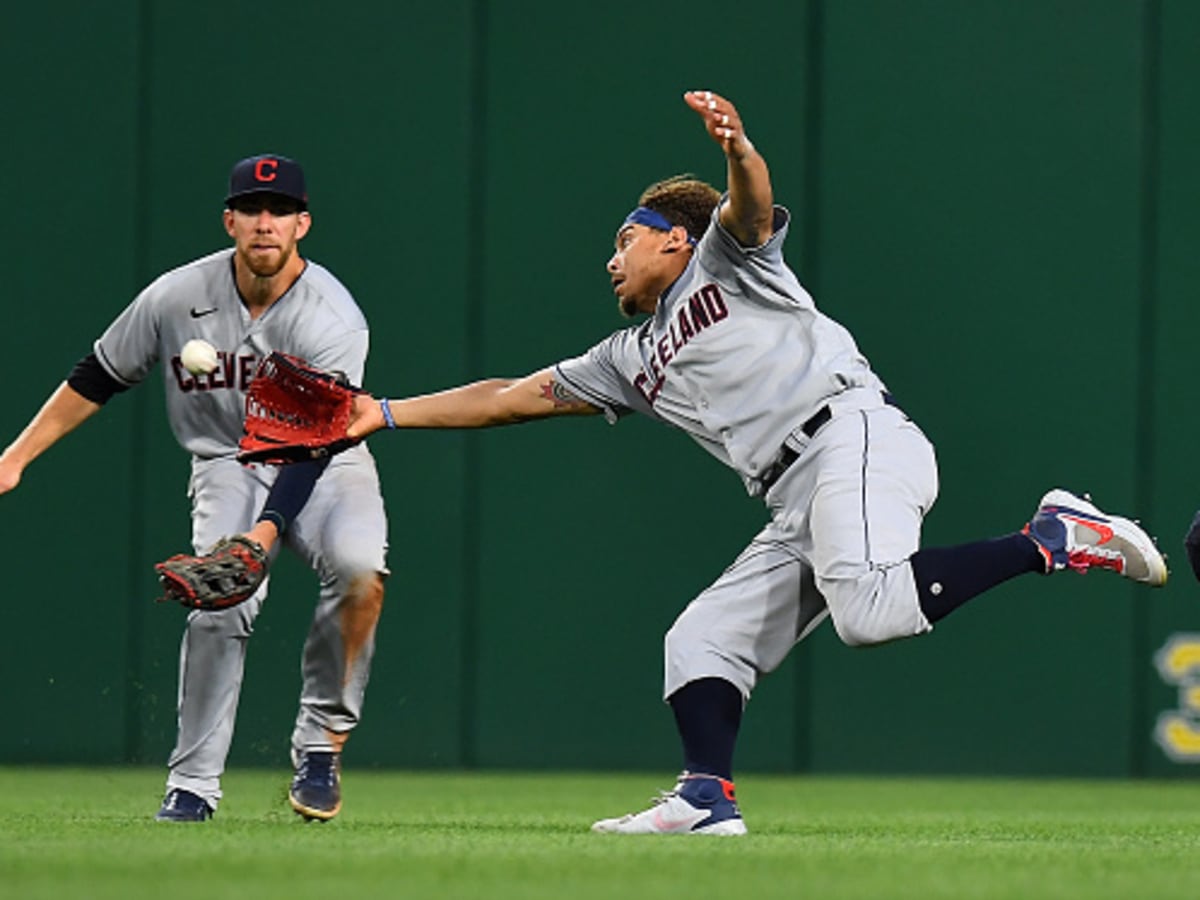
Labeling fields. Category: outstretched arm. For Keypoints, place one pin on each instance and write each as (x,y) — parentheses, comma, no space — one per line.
(291,490)
(63,412)
(495,401)
(749,211)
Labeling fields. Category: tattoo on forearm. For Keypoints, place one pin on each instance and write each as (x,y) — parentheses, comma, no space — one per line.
(557,394)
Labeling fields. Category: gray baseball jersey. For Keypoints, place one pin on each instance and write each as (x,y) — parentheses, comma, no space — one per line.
(316,319)
(736,355)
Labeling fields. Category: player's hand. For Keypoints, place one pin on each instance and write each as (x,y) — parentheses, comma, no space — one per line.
(721,121)
(10,474)
(749,213)
(1191,543)
(366,417)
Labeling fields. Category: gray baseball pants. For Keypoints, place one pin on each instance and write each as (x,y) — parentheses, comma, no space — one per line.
(845,518)
(341,534)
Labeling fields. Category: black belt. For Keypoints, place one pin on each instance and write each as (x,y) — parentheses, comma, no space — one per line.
(811,426)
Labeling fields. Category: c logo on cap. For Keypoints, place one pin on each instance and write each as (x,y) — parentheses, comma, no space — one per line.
(264,170)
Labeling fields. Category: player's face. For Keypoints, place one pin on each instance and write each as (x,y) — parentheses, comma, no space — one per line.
(265,233)
(642,267)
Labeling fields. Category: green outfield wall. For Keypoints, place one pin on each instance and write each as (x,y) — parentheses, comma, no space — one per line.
(1000,198)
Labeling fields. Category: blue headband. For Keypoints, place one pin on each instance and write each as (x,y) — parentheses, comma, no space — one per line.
(643,215)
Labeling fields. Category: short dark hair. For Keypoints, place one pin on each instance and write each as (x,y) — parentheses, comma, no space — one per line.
(683,200)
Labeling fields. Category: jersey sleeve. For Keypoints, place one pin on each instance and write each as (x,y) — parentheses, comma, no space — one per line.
(128,349)
(760,270)
(596,377)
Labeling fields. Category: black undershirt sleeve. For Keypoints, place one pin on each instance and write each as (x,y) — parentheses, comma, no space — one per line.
(92,381)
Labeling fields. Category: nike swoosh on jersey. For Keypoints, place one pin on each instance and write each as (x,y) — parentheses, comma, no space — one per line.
(198,313)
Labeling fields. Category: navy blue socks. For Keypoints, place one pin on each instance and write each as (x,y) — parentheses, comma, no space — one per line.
(947,577)
(708,713)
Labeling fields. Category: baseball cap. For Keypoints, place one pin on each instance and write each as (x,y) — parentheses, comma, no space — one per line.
(268,173)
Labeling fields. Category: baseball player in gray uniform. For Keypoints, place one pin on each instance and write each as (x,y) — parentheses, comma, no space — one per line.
(247,301)
(734,352)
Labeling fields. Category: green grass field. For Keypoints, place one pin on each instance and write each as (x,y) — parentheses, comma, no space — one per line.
(89,833)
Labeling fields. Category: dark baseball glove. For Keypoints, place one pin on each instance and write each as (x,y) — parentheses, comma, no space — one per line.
(225,576)
(295,412)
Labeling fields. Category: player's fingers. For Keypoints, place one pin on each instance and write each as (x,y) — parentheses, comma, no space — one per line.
(716,110)
(721,118)
(705,101)
(697,101)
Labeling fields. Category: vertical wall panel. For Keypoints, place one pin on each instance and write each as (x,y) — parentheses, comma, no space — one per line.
(1172,696)
(69,112)
(979,218)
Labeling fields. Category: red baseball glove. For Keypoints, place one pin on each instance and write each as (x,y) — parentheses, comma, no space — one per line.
(295,412)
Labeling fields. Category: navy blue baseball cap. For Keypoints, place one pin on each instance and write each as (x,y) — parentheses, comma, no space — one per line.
(268,173)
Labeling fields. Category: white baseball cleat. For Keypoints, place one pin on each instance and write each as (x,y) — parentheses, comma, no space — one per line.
(1072,533)
(698,804)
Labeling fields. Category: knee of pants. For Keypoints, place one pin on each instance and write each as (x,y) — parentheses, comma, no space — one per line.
(366,591)
(672,644)
(857,633)
(349,562)
(361,603)
(690,653)
(873,610)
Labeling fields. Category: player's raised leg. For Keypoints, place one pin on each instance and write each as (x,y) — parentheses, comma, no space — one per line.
(1066,531)
(867,480)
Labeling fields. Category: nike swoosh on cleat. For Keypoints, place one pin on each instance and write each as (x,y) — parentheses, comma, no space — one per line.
(1100,528)
(662,823)
(198,313)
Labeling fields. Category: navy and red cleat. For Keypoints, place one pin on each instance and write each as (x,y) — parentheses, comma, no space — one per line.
(698,804)
(183,806)
(1072,533)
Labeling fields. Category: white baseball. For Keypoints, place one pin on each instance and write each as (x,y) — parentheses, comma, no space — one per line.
(198,357)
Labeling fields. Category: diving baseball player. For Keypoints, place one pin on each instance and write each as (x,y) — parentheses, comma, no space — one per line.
(734,352)
(260,295)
